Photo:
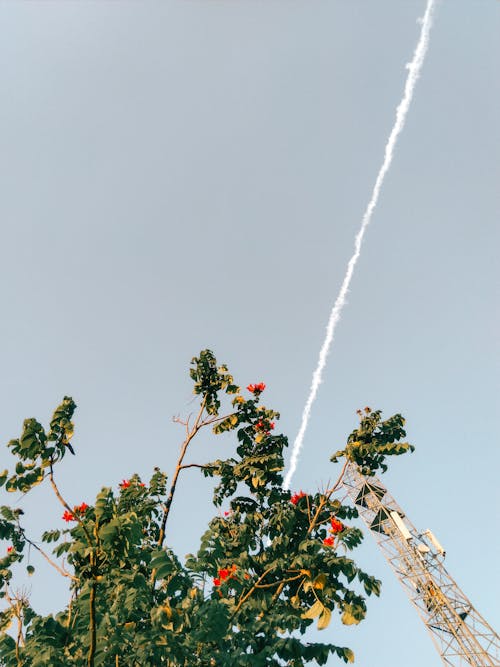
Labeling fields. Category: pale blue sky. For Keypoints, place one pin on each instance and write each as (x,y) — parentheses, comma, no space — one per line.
(186,174)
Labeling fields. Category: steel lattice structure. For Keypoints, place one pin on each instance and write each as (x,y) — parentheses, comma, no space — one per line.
(460,634)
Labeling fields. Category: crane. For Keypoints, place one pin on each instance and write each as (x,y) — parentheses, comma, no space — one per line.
(460,634)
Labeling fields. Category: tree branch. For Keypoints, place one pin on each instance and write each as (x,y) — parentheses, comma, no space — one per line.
(66,506)
(245,597)
(61,570)
(192,465)
(92,628)
(166,509)
(327,496)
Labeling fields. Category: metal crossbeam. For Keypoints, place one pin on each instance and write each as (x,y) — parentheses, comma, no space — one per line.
(461,635)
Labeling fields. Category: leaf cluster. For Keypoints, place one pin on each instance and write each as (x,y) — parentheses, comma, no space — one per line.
(268,566)
(369,445)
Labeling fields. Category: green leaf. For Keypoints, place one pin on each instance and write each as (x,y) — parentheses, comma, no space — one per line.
(162,563)
(51,535)
(7,513)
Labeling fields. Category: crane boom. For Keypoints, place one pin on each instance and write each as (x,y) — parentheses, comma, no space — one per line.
(460,634)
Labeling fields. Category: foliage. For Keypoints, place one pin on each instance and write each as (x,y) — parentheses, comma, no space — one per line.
(267,568)
(373,441)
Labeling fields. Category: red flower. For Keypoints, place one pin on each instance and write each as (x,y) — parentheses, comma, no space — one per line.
(329,541)
(256,388)
(141,484)
(125,484)
(80,509)
(68,516)
(297,496)
(264,426)
(337,526)
(224,573)
(10,550)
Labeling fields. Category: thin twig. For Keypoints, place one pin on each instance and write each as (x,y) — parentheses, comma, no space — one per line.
(16,604)
(245,597)
(61,570)
(339,480)
(280,583)
(168,503)
(66,506)
(327,496)
(192,465)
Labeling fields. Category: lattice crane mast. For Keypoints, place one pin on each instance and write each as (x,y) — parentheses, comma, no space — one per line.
(460,634)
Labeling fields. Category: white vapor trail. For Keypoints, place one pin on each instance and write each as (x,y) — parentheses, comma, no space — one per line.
(414,68)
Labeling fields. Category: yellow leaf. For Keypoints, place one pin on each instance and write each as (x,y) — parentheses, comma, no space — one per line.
(348,619)
(349,655)
(324,619)
(314,611)
(295,601)
(320,581)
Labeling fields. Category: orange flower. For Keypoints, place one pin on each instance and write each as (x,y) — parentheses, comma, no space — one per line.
(68,516)
(10,550)
(297,496)
(256,388)
(225,573)
(80,509)
(337,526)
(329,541)
(125,484)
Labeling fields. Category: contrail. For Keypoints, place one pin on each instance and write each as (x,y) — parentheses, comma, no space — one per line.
(414,68)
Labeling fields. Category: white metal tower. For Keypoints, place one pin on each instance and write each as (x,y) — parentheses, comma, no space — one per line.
(460,634)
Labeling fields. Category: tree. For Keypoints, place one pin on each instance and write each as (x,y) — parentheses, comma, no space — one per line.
(267,568)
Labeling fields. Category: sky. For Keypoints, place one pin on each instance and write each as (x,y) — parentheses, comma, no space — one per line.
(186,174)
